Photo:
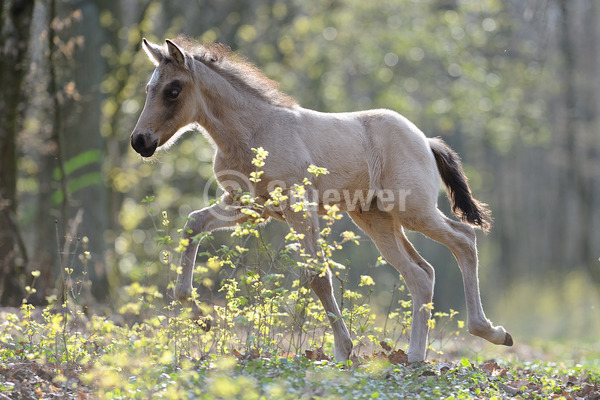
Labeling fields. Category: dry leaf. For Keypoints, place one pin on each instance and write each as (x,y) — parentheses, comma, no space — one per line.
(253,354)
(316,355)
(385,346)
(398,357)
(509,389)
(489,367)
(444,367)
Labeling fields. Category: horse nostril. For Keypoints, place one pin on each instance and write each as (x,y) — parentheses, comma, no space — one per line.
(150,149)
(138,143)
(141,143)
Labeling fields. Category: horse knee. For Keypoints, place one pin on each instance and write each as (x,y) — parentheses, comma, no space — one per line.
(195,223)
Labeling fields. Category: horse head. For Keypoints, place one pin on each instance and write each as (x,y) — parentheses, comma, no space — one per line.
(169,102)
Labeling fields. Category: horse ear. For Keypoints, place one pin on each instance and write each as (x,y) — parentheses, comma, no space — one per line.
(154,51)
(176,53)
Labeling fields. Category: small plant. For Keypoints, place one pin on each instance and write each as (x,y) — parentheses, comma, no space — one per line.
(270,336)
(266,302)
(258,347)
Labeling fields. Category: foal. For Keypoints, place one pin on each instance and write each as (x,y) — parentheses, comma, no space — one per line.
(377,156)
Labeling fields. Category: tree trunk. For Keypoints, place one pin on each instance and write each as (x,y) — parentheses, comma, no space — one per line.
(15,23)
(579,59)
(82,145)
(72,201)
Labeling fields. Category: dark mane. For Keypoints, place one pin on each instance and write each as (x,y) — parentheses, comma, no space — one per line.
(241,73)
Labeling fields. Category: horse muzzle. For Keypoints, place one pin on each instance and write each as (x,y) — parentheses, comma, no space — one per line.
(144,144)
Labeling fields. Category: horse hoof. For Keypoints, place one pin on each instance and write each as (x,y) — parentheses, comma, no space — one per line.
(508,340)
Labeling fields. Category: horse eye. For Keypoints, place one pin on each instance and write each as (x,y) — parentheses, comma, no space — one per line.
(172,93)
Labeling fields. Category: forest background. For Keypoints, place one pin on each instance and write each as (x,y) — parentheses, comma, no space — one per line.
(513,86)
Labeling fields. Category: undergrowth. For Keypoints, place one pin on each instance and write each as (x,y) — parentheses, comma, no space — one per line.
(270,338)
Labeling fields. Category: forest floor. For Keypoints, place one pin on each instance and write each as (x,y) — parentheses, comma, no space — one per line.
(299,377)
(45,359)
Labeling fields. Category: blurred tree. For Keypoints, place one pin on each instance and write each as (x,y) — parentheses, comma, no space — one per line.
(15,27)
(509,84)
(482,74)
(82,146)
(72,200)
(576,139)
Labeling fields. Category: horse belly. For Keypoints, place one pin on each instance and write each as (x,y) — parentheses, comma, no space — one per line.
(346,163)
(347,183)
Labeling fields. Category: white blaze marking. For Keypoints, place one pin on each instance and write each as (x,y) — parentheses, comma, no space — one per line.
(154,79)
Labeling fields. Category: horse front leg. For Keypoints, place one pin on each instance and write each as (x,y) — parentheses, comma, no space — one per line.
(321,284)
(306,224)
(218,216)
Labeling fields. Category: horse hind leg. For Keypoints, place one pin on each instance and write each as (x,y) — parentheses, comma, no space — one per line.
(417,273)
(460,239)
(420,279)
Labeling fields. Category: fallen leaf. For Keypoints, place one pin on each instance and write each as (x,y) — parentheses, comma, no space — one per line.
(587,389)
(489,367)
(508,389)
(398,357)
(385,346)
(316,355)
(250,354)
(443,367)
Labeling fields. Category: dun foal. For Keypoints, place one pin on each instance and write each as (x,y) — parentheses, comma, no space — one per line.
(383,172)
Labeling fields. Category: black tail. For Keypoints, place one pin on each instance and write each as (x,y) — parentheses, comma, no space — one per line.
(464,205)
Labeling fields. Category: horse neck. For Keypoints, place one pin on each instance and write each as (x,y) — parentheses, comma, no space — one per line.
(231,117)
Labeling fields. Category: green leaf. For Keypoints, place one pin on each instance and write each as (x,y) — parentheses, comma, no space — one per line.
(79,161)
